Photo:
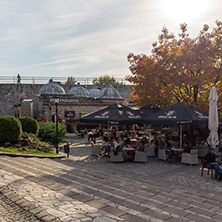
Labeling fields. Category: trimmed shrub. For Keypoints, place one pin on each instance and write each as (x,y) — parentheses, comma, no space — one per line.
(29,125)
(10,129)
(47,132)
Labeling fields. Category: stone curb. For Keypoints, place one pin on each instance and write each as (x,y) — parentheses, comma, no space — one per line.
(26,205)
(30,155)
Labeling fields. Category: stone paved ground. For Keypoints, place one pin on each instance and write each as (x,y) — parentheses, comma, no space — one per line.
(10,211)
(84,188)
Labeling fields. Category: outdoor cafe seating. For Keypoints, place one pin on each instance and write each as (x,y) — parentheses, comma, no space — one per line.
(162,155)
(190,158)
(116,158)
(95,150)
(204,166)
(150,151)
(141,157)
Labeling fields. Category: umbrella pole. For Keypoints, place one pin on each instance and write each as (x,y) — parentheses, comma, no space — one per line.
(150,136)
(181,131)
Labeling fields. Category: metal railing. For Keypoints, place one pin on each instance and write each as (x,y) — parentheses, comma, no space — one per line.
(44,80)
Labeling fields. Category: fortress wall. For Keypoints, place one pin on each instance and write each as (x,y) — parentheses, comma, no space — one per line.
(10,94)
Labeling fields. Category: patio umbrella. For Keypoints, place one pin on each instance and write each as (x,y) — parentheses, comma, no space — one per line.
(148,110)
(213,118)
(113,114)
(177,114)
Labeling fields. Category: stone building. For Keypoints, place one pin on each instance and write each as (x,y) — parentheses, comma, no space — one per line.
(72,105)
(75,100)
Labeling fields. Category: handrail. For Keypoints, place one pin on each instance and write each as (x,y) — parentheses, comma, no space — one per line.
(44,80)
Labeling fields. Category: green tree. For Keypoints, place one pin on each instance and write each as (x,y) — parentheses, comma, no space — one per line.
(47,132)
(70,81)
(179,69)
(105,80)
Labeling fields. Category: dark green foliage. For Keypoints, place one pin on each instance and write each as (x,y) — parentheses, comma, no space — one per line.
(47,132)
(29,125)
(10,129)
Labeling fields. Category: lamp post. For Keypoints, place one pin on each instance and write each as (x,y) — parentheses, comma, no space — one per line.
(57,133)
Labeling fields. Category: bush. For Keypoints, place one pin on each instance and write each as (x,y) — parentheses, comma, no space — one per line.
(10,129)
(29,125)
(47,132)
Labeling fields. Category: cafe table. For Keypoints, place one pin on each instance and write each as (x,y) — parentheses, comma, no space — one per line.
(177,152)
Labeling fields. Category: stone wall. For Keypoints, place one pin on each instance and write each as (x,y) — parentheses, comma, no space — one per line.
(11,94)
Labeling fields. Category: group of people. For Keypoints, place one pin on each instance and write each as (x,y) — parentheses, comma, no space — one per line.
(167,143)
(119,144)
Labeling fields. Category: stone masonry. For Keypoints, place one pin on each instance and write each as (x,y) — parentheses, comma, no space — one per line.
(12,93)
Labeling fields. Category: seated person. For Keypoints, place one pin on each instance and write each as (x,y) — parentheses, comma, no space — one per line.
(126,141)
(187,147)
(160,143)
(141,146)
(90,136)
(211,160)
(115,143)
(118,149)
(167,147)
(145,140)
(154,142)
(105,137)
(105,149)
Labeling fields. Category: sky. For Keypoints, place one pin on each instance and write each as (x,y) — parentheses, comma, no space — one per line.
(90,38)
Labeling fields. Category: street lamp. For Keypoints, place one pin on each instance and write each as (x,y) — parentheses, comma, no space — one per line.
(57,133)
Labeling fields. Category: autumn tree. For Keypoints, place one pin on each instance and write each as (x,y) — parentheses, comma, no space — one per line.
(179,69)
(105,80)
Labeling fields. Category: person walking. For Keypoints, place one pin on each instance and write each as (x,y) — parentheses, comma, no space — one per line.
(19,79)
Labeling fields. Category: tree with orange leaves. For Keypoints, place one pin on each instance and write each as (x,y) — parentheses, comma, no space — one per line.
(179,69)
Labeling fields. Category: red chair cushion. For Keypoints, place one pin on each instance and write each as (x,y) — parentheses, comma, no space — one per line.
(204,164)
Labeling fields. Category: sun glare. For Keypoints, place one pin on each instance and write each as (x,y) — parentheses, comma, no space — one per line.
(184,10)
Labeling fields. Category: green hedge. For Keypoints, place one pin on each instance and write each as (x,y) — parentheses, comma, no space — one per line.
(29,125)
(47,132)
(10,129)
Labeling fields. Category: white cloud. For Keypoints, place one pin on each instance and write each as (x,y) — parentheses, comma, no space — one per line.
(85,37)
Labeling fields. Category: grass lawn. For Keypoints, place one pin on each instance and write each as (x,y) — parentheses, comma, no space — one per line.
(33,152)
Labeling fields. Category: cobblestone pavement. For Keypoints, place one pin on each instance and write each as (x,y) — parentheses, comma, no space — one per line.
(10,211)
(84,188)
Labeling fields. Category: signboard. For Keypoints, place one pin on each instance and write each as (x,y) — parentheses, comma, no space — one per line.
(70,114)
(63,121)
(43,120)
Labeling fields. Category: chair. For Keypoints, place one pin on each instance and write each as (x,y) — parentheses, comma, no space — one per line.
(162,155)
(116,158)
(202,151)
(190,158)
(150,151)
(95,150)
(141,156)
(204,166)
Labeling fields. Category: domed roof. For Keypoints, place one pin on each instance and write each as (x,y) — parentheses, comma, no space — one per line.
(79,91)
(109,92)
(51,88)
(94,92)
